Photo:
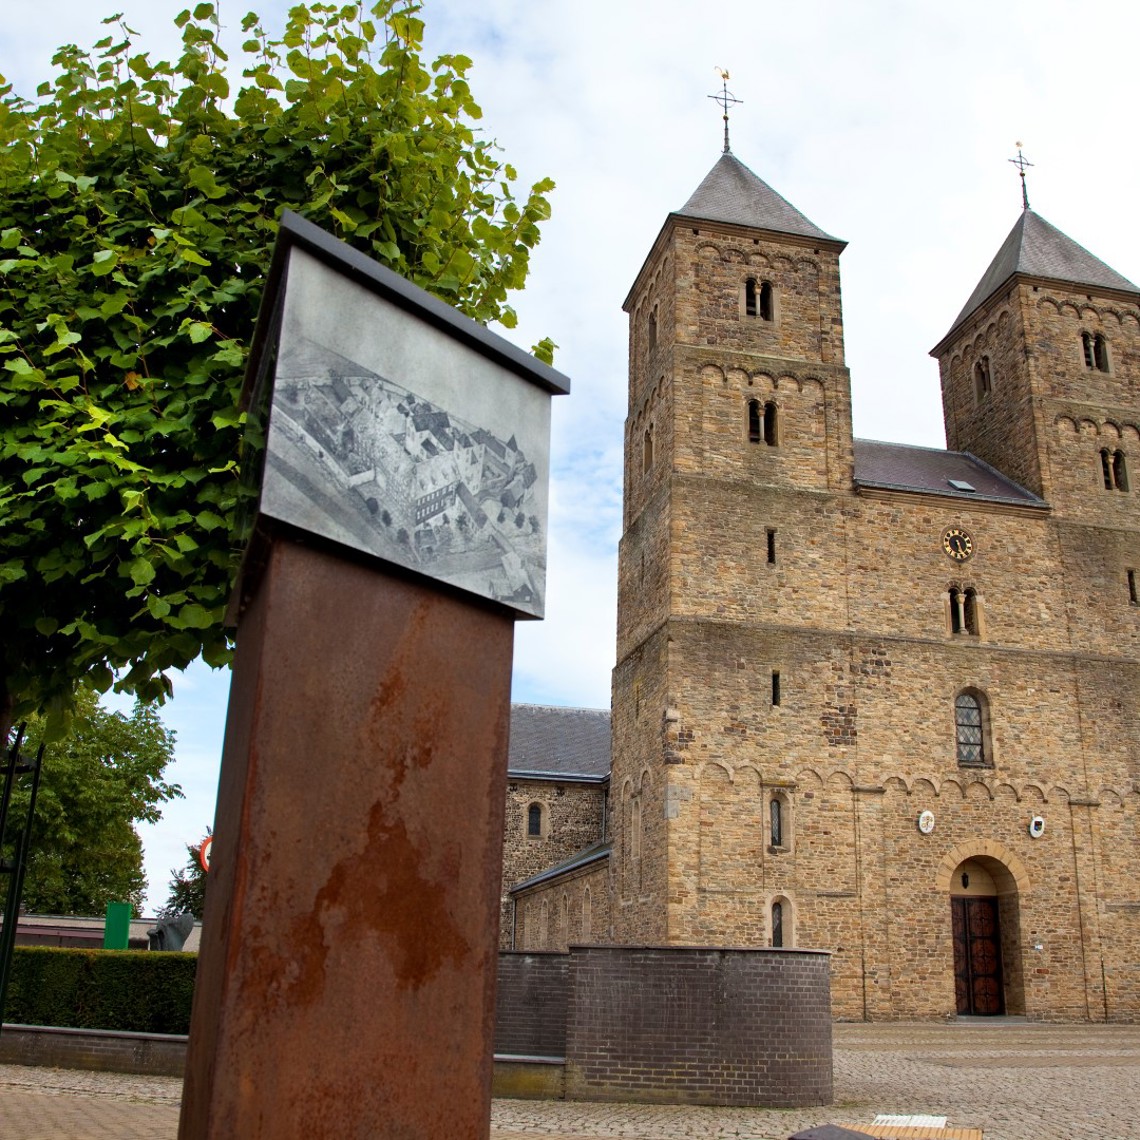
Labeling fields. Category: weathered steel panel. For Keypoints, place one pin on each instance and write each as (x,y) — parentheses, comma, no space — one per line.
(347,972)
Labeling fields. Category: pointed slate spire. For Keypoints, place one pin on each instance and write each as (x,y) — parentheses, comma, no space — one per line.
(731,193)
(1035,248)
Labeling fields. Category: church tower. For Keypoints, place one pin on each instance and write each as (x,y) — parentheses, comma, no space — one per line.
(739,424)
(1040,370)
(870,698)
(1041,378)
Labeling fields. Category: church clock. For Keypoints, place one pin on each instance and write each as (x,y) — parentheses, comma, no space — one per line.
(957,543)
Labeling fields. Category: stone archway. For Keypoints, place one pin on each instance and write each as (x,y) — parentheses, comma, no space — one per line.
(984,883)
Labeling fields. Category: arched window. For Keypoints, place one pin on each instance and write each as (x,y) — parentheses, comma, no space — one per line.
(970,729)
(1095,350)
(653,329)
(587,914)
(764,305)
(965,611)
(777,923)
(755,429)
(1119,471)
(647,449)
(1100,353)
(1113,469)
(635,829)
(970,610)
(750,297)
(544,925)
(771,424)
(776,822)
(982,378)
(564,935)
(534,821)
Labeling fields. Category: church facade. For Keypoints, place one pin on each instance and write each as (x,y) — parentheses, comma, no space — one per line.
(870,698)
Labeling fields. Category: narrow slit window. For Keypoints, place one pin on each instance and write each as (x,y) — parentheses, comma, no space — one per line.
(534,821)
(1132,597)
(754,424)
(653,329)
(1106,468)
(750,297)
(982,381)
(647,449)
(775,687)
(777,924)
(771,547)
(771,424)
(776,822)
(1119,471)
(957,617)
(970,612)
(1087,348)
(764,305)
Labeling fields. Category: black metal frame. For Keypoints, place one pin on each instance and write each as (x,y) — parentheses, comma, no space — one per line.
(14,766)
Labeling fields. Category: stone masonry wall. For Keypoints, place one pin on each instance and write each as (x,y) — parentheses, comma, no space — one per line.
(786,638)
(573,819)
(573,908)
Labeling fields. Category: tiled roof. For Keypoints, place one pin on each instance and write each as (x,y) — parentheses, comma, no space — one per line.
(549,740)
(581,859)
(900,467)
(1037,249)
(732,193)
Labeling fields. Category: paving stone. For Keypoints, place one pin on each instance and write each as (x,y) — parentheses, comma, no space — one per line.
(1015,1081)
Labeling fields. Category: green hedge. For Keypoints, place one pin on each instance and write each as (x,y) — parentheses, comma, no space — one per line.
(134,990)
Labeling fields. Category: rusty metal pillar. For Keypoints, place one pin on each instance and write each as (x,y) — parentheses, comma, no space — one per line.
(347,970)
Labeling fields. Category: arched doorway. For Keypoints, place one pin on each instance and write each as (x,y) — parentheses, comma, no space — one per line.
(987,954)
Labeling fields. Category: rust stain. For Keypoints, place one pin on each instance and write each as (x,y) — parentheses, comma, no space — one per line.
(381,889)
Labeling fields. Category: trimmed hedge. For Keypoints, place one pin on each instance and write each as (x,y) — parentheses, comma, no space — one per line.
(136,991)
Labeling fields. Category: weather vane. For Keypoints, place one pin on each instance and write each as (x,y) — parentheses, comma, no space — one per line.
(726,99)
(1021,162)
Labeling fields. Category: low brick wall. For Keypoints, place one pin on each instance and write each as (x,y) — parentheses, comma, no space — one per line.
(531,1004)
(150,1054)
(699,1026)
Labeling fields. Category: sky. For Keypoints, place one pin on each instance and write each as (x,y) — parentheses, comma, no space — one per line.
(888,123)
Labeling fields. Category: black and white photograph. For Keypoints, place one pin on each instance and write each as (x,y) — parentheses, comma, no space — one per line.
(390,438)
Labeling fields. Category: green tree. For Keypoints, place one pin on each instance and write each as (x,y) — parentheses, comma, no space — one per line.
(138,208)
(186,893)
(97,783)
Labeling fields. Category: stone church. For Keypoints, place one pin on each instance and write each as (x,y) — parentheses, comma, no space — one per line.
(870,698)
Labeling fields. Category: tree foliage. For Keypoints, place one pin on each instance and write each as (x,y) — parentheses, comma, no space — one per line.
(186,893)
(97,783)
(138,207)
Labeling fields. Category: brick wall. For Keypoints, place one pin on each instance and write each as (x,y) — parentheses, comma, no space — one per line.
(699,1026)
(531,1004)
(150,1054)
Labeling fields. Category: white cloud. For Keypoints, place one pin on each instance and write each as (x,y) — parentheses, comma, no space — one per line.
(888,124)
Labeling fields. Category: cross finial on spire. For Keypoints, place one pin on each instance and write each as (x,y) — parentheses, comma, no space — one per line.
(1021,162)
(726,99)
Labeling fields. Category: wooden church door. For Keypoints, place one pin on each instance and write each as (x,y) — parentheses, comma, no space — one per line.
(977,956)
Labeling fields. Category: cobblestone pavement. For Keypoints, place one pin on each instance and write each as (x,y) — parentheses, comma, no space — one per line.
(1015,1081)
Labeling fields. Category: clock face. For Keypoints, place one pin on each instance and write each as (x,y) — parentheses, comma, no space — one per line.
(957,543)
